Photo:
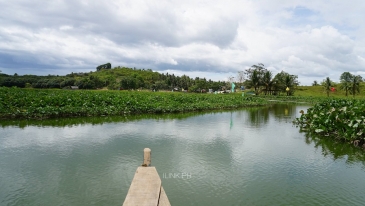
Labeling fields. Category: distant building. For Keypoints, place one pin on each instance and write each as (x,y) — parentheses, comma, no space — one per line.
(74,87)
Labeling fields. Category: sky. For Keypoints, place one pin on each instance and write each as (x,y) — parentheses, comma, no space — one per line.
(215,39)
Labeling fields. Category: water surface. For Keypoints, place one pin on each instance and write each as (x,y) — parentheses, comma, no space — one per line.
(248,157)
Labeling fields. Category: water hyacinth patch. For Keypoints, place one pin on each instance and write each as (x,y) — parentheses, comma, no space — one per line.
(34,103)
(337,118)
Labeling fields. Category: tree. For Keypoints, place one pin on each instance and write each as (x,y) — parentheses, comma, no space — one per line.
(128,82)
(346,81)
(159,85)
(315,83)
(327,83)
(267,81)
(104,66)
(285,80)
(255,76)
(355,84)
(240,76)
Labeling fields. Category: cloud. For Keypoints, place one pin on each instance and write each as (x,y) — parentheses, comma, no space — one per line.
(311,39)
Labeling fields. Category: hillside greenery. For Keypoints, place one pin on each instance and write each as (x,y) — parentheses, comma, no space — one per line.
(257,78)
(114,79)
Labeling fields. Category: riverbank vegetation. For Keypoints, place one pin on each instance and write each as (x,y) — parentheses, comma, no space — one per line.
(335,113)
(39,104)
(341,119)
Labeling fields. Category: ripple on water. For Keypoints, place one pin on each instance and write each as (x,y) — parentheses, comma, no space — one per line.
(233,159)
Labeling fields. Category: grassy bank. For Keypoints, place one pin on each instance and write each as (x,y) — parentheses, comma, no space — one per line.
(40,104)
(318,91)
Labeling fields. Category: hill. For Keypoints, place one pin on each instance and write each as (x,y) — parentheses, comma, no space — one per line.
(113,79)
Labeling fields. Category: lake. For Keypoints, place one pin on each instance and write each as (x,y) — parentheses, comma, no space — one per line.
(252,156)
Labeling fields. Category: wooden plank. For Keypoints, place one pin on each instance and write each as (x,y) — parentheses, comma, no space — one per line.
(164,201)
(145,188)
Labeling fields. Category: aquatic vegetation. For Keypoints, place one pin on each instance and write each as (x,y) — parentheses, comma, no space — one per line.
(34,103)
(336,118)
(306,99)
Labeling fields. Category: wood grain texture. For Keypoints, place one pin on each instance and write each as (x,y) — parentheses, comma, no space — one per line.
(164,201)
(145,188)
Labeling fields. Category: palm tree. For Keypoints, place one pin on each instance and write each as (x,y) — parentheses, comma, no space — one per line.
(346,81)
(255,81)
(327,85)
(355,84)
(267,81)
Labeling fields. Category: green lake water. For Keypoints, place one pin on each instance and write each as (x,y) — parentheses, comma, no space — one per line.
(244,157)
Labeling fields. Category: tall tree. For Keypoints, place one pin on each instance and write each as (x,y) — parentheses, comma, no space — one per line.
(255,76)
(267,81)
(285,80)
(327,83)
(346,81)
(315,83)
(355,84)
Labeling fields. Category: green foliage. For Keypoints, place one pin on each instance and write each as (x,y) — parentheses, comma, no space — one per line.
(128,83)
(259,78)
(350,83)
(327,83)
(337,118)
(28,85)
(36,103)
(255,76)
(268,81)
(355,85)
(345,79)
(104,66)
(285,80)
(113,79)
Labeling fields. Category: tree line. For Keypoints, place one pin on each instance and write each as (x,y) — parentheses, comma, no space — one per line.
(114,79)
(261,80)
(257,78)
(349,83)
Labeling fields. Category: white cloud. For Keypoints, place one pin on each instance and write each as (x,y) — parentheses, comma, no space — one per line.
(312,39)
(65,28)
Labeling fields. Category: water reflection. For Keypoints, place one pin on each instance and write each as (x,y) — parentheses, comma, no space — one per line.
(260,116)
(252,156)
(66,122)
(335,149)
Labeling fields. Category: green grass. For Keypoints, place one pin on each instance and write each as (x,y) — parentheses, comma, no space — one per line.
(318,91)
